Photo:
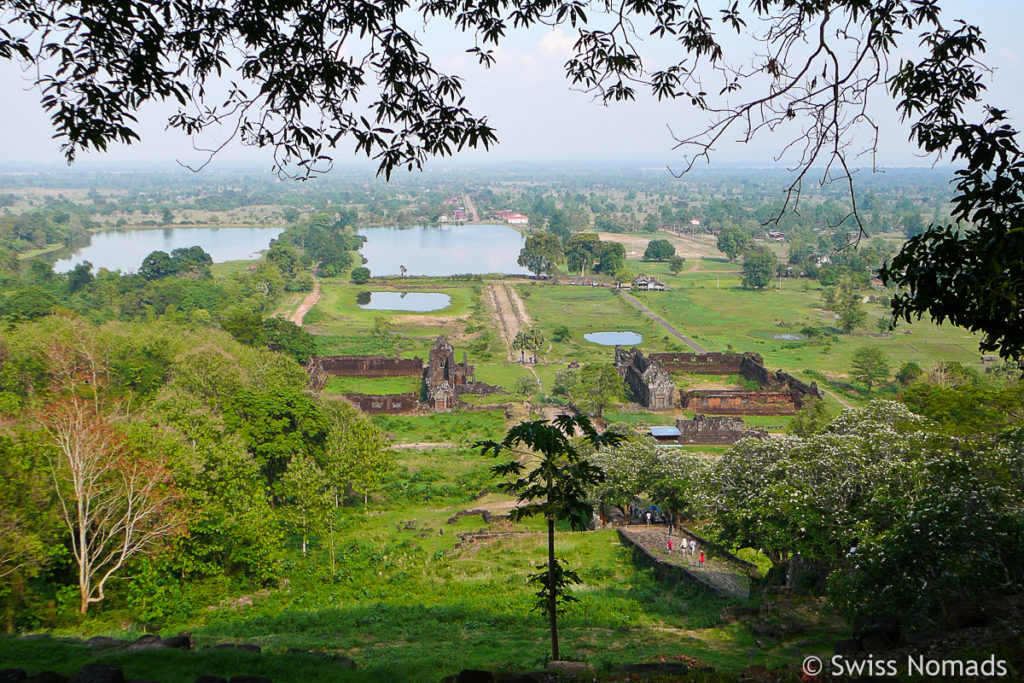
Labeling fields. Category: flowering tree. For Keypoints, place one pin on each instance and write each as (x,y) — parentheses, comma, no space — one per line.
(900,512)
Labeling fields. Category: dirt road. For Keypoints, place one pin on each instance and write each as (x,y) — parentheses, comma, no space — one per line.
(470,208)
(509,313)
(309,302)
(661,321)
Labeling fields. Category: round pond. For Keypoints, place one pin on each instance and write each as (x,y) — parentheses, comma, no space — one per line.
(626,338)
(420,302)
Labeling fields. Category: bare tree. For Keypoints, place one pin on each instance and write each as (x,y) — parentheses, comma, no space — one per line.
(114,503)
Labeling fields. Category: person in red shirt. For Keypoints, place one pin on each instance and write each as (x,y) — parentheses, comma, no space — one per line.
(701,563)
(670,546)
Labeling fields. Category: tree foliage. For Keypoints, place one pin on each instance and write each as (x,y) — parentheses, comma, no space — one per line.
(541,253)
(659,250)
(554,484)
(759,267)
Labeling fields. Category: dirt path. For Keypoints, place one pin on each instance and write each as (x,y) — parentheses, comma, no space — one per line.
(695,266)
(470,208)
(309,302)
(837,397)
(727,577)
(424,444)
(661,321)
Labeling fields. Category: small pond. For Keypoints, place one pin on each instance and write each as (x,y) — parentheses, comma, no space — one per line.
(614,338)
(421,302)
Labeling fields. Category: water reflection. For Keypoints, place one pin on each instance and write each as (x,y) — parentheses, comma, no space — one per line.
(420,302)
(614,338)
(124,250)
(442,251)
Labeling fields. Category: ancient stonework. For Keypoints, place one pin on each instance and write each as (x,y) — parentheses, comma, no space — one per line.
(392,404)
(705,363)
(715,430)
(779,381)
(741,402)
(320,368)
(445,380)
(651,386)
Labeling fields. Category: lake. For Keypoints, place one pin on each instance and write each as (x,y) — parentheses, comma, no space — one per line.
(443,250)
(420,302)
(124,250)
(614,338)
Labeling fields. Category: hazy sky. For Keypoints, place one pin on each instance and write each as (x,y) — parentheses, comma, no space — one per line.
(529,101)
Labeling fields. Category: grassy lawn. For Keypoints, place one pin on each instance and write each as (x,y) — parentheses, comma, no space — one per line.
(458,427)
(583,310)
(349,327)
(727,317)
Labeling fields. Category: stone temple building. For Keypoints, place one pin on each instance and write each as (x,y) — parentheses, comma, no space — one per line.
(650,384)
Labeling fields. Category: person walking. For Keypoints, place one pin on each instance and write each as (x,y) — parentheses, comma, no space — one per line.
(648,516)
(693,546)
(669,546)
(701,562)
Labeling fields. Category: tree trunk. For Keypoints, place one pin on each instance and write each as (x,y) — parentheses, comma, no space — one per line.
(552,602)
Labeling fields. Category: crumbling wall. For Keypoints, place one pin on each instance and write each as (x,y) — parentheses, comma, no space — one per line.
(706,430)
(365,366)
(778,380)
(649,383)
(705,363)
(392,404)
(741,402)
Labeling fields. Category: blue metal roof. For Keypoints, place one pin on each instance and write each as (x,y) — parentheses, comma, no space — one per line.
(664,431)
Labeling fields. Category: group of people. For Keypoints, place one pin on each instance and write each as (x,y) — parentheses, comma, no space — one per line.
(684,547)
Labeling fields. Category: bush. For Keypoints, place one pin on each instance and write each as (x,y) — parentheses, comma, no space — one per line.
(561,333)
(360,275)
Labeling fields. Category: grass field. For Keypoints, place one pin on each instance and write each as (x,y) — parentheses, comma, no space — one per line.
(351,328)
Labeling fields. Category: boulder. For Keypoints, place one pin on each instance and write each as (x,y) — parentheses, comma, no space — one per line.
(654,668)
(471,676)
(887,628)
(874,644)
(98,673)
(244,647)
(12,675)
(182,641)
(565,668)
(959,613)
(47,677)
(103,642)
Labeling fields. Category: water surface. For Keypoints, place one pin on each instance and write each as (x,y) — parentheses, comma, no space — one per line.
(420,302)
(124,250)
(625,338)
(443,250)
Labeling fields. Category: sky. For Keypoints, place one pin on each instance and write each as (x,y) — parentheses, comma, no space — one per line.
(527,98)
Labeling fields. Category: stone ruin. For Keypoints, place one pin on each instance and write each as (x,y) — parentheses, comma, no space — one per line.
(652,387)
(649,383)
(708,431)
(320,368)
(741,402)
(444,380)
(705,363)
